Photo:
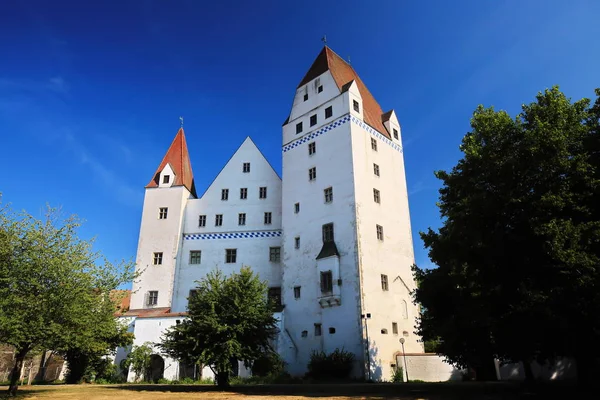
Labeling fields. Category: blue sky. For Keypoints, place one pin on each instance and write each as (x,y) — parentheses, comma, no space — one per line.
(91,91)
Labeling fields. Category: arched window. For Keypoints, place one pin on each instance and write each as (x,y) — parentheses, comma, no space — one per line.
(404,309)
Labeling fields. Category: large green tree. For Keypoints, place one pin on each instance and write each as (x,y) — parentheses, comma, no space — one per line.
(518,253)
(230,318)
(55,291)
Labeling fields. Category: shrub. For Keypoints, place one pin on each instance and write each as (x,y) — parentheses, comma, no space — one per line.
(163,381)
(397,375)
(337,365)
(268,364)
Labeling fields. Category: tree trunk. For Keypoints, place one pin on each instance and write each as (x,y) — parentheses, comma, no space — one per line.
(16,372)
(585,369)
(222,379)
(529,377)
(486,370)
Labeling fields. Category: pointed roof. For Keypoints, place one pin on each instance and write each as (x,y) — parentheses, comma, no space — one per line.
(343,74)
(179,159)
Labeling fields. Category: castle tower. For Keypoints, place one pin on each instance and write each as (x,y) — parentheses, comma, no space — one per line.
(161,228)
(347,244)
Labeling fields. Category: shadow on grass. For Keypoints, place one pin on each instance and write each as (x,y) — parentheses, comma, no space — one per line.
(408,391)
(22,392)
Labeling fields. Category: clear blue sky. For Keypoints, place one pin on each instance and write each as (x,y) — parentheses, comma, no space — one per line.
(91,91)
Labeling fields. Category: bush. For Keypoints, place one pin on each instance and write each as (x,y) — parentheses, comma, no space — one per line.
(398,375)
(337,365)
(163,381)
(268,364)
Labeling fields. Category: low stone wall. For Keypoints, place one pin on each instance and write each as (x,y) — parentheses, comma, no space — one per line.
(428,367)
(561,369)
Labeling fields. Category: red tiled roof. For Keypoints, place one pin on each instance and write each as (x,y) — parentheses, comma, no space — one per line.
(122,299)
(179,158)
(343,73)
(157,312)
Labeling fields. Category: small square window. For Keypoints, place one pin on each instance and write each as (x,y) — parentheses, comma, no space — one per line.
(195,256)
(320,89)
(246,167)
(166,178)
(395,134)
(224,194)
(202,220)
(384,283)
(356,105)
(298,128)
(380,232)
(230,256)
(312,174)
(328,232)
(296,292)
(376,196)
(262,192)
(317,329)
(242,219)
(312,148)
(268,218)
(326,282)
(374,144)
(152,298)
(313,120)
(274,254)
(304,333)
(296,208)
(297,242)
(157,258)
(162,213)
(243,193)
(219,220)
(384,331)
(395,328)
(328,195)
(305,96)
(331,330)
(376,169)
(328,112)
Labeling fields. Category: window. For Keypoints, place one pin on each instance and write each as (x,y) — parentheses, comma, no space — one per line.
(275,296)
(331,330)
(312,148)
(218,219)
(404,309)
(274,254)
(162,213)
(262,192)
(304,333)
(230,255)
(153,297)
(201,220)
(242,219)
(374,144)
(296,292)
(312,174)
(297,242)
(243,193)
(267,218)
(326,282)
(320,89)
(192,293)
(356,105)
(195,256)
(380,232)
(384,331)
(296,208)
(157,259)
(305,96)
(328,195)
(376,196)
(166,178)
(328,232)
(317,329)
(313,120)
(246,167)
(384,283)
(376,169)
(328,112)
(298,127)
(396,134)
(224,194)
(395,328)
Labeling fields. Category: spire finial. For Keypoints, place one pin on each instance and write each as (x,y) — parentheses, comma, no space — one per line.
(349,62)
(324,39)
(181,119)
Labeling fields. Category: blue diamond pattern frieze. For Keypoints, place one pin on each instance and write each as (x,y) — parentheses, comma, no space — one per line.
(232,235)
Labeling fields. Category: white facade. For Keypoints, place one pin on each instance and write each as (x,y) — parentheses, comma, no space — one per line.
(330,172)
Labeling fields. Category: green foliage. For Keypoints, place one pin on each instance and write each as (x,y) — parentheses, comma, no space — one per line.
(398,375)
(268,364)
(432,345)
(54,289)
(139,360)
(336,365)
(229,319)
(518,255)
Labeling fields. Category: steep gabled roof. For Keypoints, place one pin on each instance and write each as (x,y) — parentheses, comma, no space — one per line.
(343,73)
(179,159)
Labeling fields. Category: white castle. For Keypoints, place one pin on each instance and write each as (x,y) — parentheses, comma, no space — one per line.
(332,237)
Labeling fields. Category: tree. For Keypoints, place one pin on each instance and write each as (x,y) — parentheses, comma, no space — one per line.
(230,318)
(54,289)
(518,253)
(140,361)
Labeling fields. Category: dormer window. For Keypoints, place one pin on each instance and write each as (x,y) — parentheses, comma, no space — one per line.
(166,178)
(356,105)
(396,134)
